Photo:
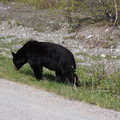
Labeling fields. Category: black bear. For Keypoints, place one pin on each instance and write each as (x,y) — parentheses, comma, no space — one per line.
(50,55)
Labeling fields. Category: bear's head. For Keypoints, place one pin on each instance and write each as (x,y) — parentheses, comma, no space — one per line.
(18,61)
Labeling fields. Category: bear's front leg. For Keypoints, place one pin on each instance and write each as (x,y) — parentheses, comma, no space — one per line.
(37,71)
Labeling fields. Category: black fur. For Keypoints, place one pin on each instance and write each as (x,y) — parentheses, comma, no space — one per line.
(52,56)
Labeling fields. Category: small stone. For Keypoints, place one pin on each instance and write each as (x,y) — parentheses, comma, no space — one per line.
(89,36)
(103,55)
(117,50)
(106,30)
(114,57)
(13,3)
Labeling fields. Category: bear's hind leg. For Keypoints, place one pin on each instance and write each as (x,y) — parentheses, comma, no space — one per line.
(73,79)
(37,71)
(59,77)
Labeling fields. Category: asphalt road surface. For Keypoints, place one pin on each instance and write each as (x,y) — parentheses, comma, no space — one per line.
(21,102)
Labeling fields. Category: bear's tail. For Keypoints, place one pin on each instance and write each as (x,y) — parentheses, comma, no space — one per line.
(73,63)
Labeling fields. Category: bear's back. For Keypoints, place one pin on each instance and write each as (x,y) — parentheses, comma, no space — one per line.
(49,50)
(45,46)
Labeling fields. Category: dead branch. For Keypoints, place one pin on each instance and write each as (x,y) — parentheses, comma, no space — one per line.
(116,17)
(116,13)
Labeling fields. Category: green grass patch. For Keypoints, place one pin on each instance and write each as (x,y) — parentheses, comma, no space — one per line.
(96,87)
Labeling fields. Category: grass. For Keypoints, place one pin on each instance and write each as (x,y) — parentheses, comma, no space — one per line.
(97,88)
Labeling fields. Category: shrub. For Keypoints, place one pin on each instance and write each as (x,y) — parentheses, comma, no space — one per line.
(108,10)
(101,9)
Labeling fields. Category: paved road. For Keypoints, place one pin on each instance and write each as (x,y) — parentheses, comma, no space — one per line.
(21,102)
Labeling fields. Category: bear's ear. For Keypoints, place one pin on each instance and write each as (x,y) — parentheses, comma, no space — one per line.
(13,54)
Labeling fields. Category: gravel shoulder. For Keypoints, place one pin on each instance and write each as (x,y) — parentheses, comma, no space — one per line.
(21,102)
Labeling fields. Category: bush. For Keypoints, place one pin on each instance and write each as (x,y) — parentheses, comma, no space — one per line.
(97,9)
(97,78)
(102,9)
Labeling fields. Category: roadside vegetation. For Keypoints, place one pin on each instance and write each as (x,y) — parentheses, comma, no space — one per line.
(97,87)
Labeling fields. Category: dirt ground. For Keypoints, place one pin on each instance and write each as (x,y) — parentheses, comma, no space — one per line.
(20,23)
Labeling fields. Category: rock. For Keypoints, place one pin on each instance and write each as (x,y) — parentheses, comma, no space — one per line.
(114,57)
(89,36)
(13,3)
(117,50)
(106,30)
(103,55)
